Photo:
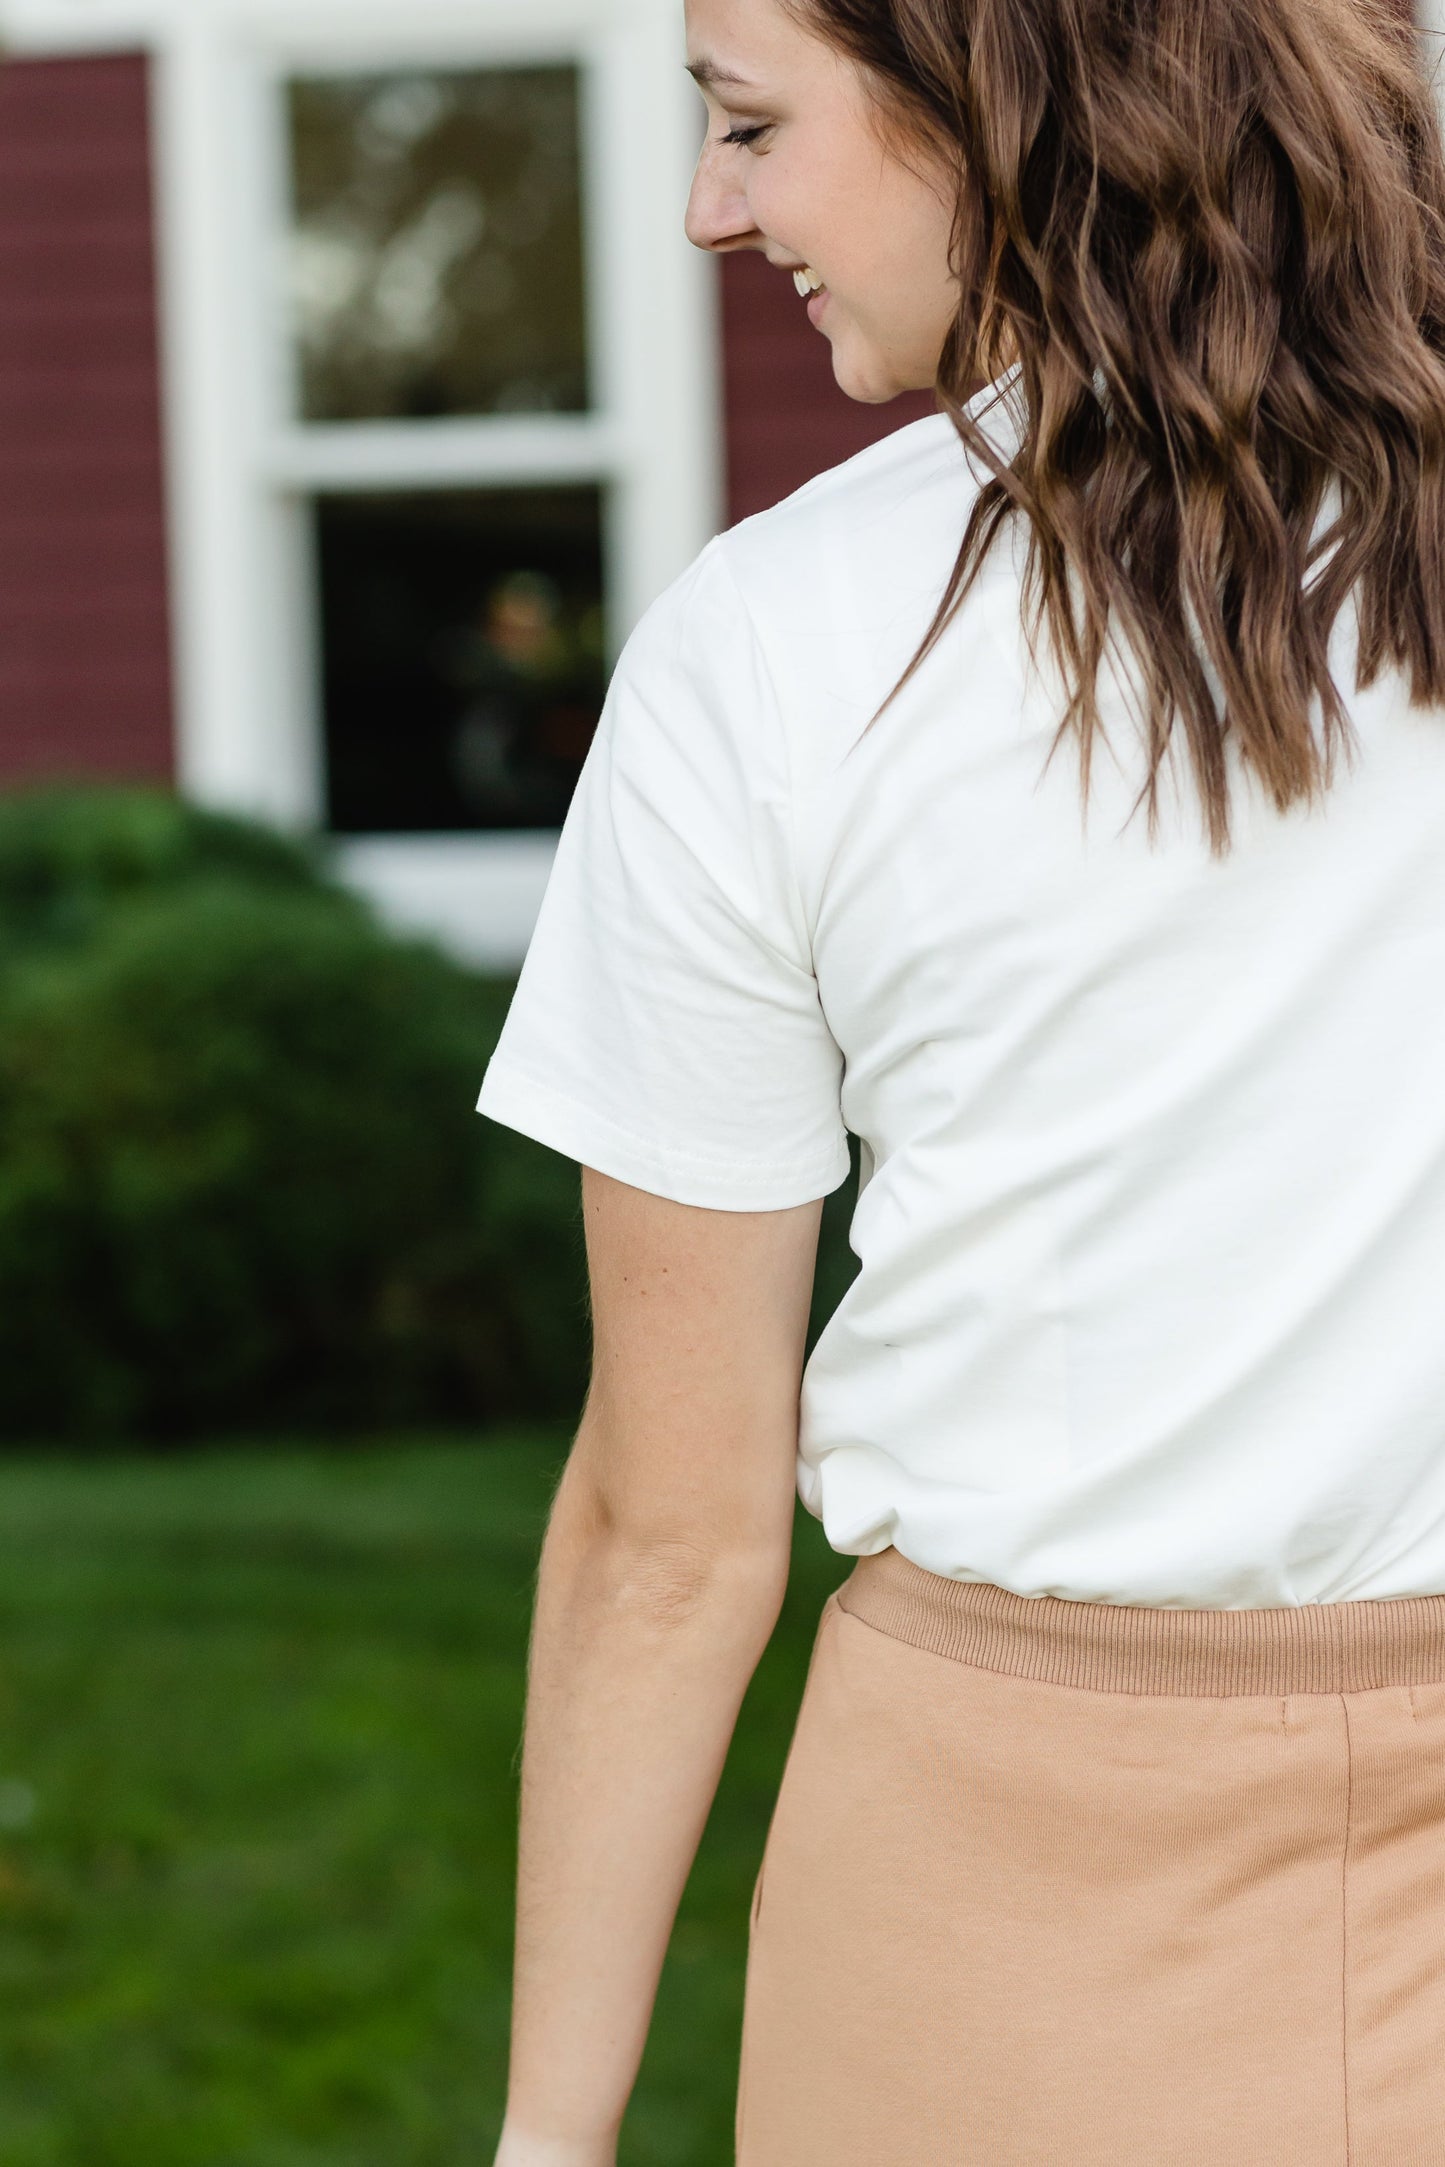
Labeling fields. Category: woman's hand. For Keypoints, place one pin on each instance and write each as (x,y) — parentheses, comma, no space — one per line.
(516,2150)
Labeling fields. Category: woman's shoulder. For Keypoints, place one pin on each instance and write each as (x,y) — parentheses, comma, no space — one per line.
(875,528)
(842,506)
(825,578)
(782,565)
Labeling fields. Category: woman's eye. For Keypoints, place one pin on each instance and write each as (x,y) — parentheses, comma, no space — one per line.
(744,135)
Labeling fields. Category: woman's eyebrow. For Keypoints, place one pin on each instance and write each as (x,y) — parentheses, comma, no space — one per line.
(709,72)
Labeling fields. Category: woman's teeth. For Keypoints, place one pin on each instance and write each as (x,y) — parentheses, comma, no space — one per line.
(807,281)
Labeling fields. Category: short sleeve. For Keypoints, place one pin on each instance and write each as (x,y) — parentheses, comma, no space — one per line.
(666,1026)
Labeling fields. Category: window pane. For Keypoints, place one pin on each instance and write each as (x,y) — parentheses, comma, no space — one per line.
(436,245)
(463,650)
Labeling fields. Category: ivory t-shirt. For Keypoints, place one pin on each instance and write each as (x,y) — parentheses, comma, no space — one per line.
(1151,1227)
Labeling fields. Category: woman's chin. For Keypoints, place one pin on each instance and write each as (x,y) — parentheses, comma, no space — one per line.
(862,374)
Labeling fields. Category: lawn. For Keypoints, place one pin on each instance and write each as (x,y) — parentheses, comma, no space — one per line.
(259,1712)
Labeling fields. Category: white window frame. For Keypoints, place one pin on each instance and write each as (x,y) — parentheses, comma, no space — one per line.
(241,471)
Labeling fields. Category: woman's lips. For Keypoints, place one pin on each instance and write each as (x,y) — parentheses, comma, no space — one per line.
(817,302)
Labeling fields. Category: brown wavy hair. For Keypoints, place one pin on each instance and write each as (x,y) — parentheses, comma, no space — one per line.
(1211,233)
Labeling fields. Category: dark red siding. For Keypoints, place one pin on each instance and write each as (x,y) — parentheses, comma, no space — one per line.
(786,417)
(84,645)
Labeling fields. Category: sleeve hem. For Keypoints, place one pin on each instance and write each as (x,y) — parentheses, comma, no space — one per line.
(550,1117)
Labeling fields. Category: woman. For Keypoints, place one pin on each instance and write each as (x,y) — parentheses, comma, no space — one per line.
(1053,797)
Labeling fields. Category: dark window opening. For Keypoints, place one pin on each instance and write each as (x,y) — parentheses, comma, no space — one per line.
(463,653)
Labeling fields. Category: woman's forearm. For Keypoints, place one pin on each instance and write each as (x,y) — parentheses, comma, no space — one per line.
(640,1655)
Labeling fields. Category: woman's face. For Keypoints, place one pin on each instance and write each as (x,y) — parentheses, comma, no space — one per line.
(814,188)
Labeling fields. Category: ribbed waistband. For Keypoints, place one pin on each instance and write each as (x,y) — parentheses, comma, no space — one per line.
(1345,1647)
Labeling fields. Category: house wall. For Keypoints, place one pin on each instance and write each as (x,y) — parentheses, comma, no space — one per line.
(85,677)
(85,646)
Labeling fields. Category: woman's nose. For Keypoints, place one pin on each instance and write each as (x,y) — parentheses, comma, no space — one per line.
(717,211)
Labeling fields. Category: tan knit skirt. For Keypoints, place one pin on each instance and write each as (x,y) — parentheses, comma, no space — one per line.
(1056,1884)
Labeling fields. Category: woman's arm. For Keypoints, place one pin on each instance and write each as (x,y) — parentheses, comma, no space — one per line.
(663,1569)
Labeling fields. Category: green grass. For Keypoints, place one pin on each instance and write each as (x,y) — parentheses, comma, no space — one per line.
(259,1713)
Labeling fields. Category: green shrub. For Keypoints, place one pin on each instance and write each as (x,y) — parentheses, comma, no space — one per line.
(242,1184)
(71,853)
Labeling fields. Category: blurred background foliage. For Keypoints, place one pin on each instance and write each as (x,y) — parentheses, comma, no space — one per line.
(242,1185)
(261,1697)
